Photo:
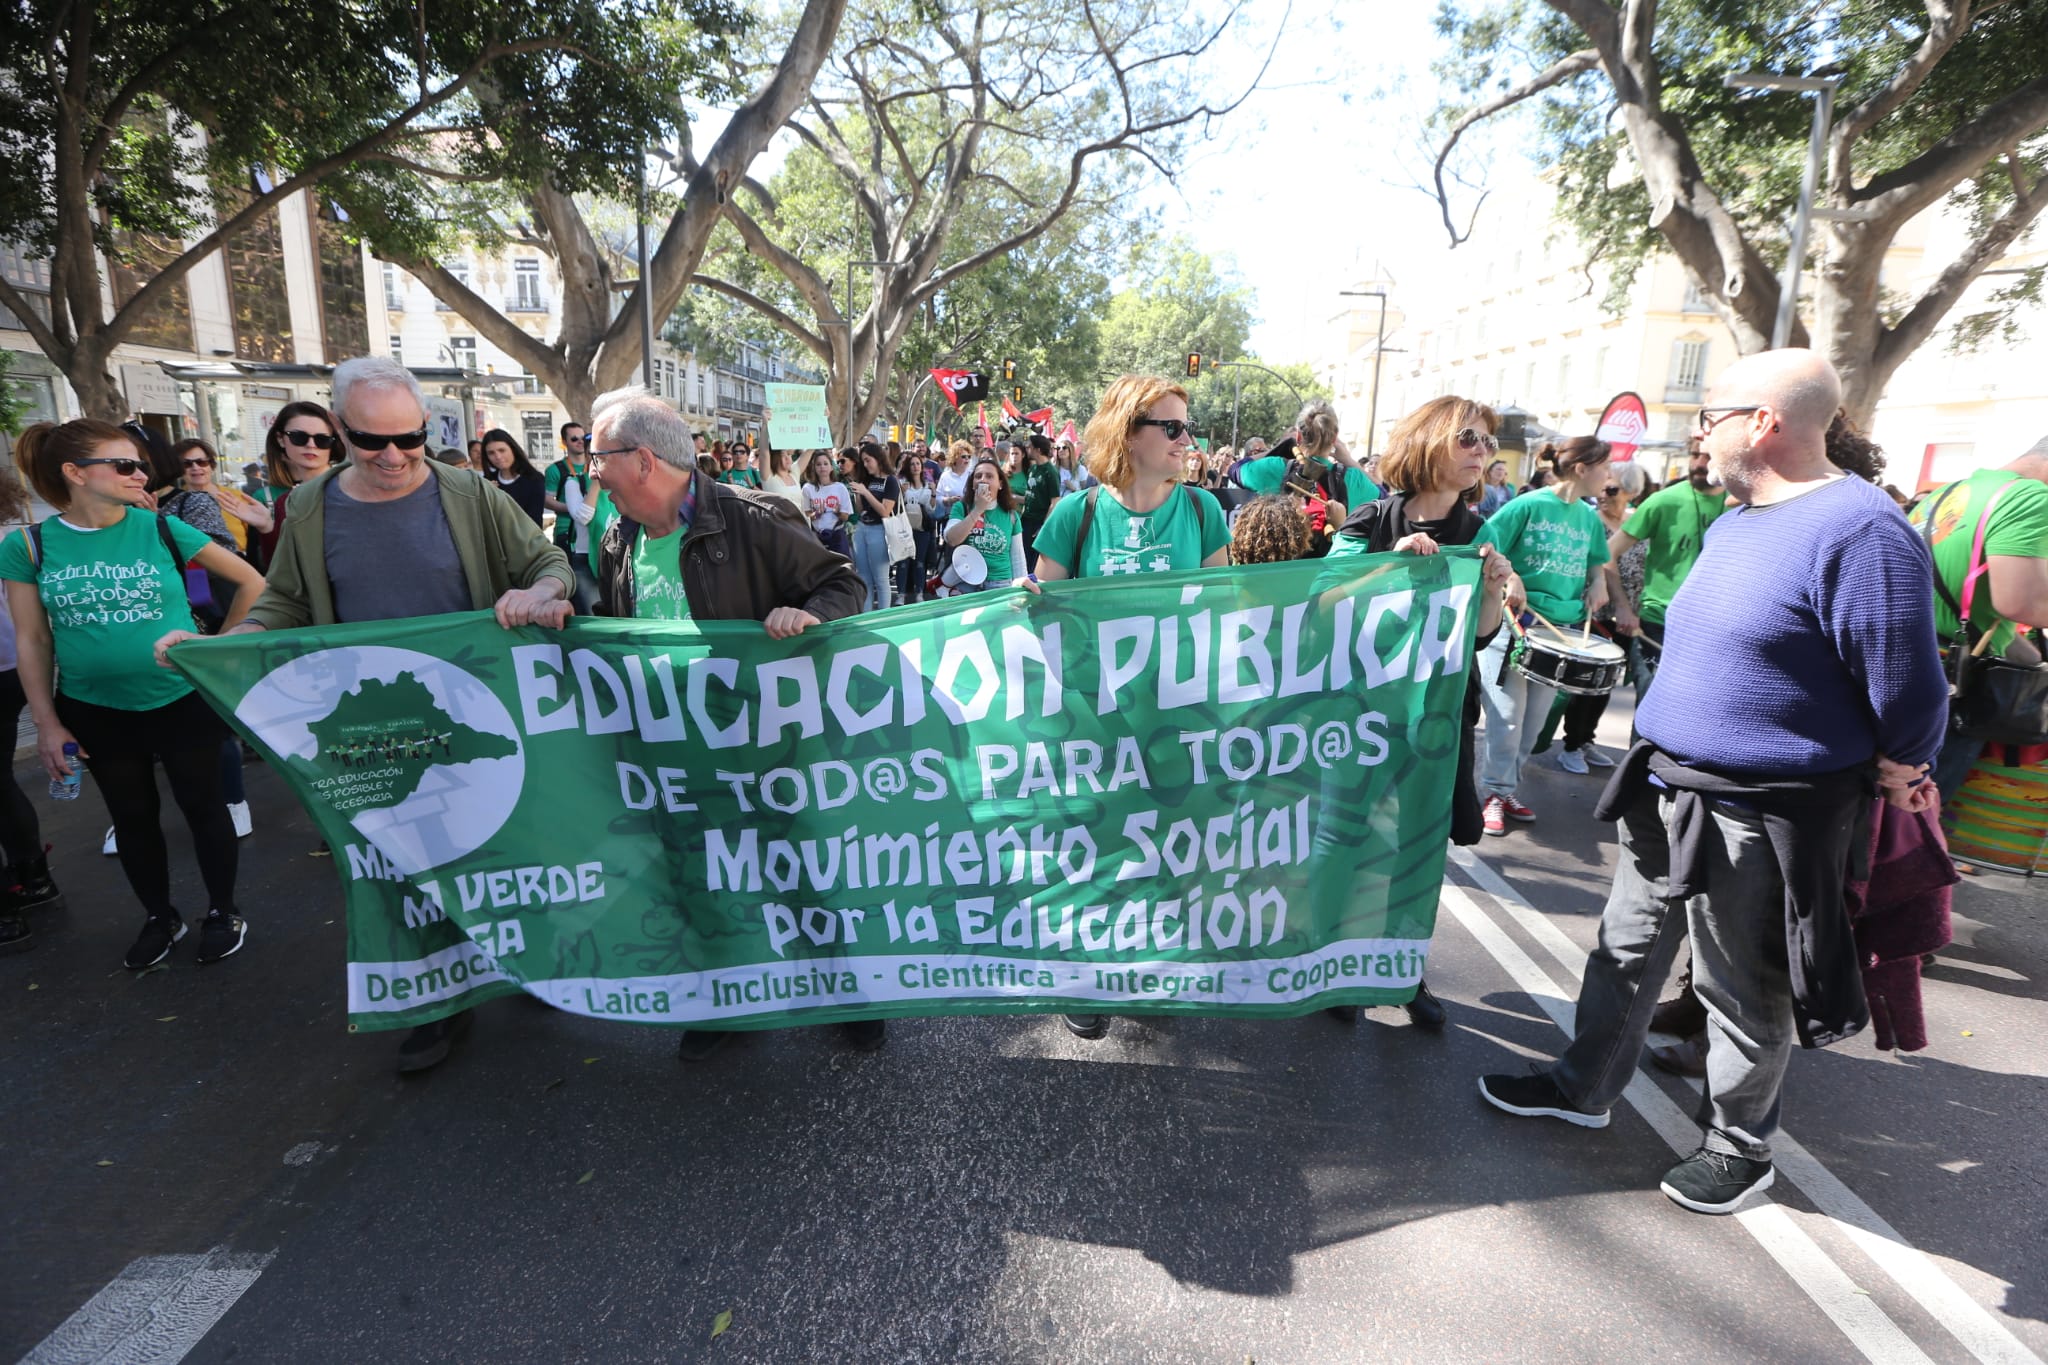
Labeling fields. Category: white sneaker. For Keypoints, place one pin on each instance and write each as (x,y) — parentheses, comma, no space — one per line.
(1571,760)
(239,812)
(1597,756)
(108,847)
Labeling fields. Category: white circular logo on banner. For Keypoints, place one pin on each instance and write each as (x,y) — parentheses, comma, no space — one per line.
(423,760)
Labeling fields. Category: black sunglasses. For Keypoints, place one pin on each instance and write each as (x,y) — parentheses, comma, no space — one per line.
(1174,427)
(371,441)
(199,463)
(122,466)
(319,440)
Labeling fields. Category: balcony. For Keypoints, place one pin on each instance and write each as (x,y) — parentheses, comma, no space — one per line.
(525,304)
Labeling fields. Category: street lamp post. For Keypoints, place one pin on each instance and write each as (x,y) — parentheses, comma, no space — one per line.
(1238,392)
(1823,89)
(1379,348)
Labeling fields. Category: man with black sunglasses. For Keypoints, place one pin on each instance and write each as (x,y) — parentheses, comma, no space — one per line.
(572,523)
(392,535)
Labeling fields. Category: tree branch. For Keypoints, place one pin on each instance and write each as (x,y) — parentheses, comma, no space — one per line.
(1556,74)
(1927,312)
(17,304)
(1947,21)
(1900,193)
(782,320)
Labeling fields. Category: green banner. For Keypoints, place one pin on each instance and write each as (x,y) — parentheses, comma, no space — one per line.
(1224,792)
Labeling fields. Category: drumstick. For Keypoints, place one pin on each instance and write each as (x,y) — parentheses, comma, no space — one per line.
(1541,622)
(1982,641)
(1586,635)
(1514,622)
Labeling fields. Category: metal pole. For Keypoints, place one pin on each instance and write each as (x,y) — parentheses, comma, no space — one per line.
(1379,352)
(849,350)
(646,294)
(1236,392)
(1788,294)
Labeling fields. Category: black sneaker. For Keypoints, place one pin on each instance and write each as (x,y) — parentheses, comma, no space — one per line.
(866,1035)
(1425,1011)
(1536,1096)
(220,935)
(1715,1182)
(153,944)
(34,890)
(1343,1014)
(15,935)
(1089,1026)
(697,1044)
(428,1045)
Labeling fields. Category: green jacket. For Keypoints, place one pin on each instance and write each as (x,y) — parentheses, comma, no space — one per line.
(498,545)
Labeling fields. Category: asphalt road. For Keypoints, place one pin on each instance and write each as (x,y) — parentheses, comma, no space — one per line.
(202,1160)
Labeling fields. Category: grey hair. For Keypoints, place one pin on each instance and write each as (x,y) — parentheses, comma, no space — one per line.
(373,374)
(1629,478)
(635,417)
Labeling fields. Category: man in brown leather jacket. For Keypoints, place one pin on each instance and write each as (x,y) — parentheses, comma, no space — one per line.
(687,546)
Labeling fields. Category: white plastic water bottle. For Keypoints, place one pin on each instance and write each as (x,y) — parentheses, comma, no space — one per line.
(66,788)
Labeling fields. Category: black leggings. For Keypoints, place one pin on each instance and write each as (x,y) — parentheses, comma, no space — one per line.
(21,835)
(123,749)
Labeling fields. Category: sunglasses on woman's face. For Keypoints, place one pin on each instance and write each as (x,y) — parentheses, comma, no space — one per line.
(123,467)
(198,464)
(1174,427)
(1470,437)
(319,440)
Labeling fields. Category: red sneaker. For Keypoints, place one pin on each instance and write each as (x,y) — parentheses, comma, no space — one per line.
(1516,810)
(1494,816)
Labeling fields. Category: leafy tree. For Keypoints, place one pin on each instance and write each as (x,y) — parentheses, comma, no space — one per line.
(598,346)
(148,135)
(1936,99)
(946,136)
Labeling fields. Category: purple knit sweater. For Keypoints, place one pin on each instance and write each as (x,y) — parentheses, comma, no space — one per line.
(1802,642)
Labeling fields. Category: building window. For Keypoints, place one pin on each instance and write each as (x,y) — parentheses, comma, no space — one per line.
(1696,300)
(540,437)
(1688,370)
(526,287)
(1601,380)
(464,351)
(257,299)
(1527,397)
(460,270)
(394,291)
(344,307)
(28,275)
(1564,381)
(135,260)
(398,348)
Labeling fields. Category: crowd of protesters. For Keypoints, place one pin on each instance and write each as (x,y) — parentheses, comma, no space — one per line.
(1825,607)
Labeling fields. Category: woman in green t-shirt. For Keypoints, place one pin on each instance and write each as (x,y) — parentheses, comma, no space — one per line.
(1143,519)
(986,519)
(1557,546)
(93,599)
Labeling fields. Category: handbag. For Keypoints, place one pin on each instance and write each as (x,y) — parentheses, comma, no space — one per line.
(1993,699)
(896,531)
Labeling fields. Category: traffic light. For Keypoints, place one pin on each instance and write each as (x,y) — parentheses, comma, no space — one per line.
(1009,369)
(1194,364)
(1017,394)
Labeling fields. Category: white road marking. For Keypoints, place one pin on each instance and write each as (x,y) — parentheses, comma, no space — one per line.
(153,1312)
(1968,1321)
(1858,1317)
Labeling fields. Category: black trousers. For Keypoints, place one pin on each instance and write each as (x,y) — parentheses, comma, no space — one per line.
(122,750)
(21,835)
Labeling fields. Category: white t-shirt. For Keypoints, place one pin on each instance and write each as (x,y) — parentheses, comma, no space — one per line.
(775,483)
(953,487)
(828,503)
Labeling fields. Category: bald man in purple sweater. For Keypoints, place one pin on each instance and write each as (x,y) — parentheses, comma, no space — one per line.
(1800,680)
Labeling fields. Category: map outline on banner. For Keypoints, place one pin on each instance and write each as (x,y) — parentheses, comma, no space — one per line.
(624,888)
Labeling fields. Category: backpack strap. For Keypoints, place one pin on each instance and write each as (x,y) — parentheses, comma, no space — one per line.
(163,533)
(1979,566)
(34,532)
(1927,535)
(1087,520)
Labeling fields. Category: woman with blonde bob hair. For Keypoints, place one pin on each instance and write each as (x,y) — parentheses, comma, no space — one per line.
(1142,519)
(1435,454)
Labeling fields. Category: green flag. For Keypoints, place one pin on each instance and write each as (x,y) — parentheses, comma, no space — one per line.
(1222,792)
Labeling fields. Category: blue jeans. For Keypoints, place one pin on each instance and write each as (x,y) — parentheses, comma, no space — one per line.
(1959,754)
(1515,710)
(871,558)
(1738,972)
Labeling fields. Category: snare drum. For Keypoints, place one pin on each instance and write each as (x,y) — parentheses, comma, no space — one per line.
(1569,662)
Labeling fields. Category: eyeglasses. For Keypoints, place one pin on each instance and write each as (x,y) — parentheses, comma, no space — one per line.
(1471,437)
(598,457)
(1174,427)
(199,464)
(124,467)
(1707,423)
(319,440)
(372,441)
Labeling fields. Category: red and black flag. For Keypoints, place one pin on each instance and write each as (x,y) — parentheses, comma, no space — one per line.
(961,386)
